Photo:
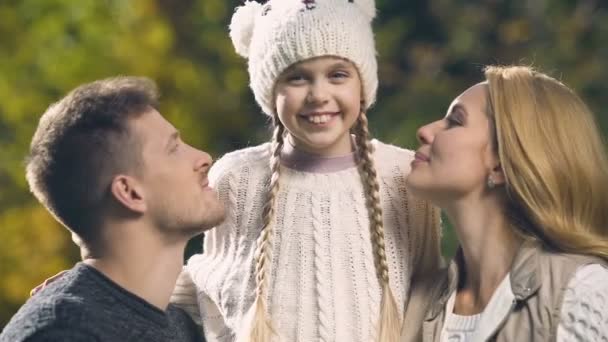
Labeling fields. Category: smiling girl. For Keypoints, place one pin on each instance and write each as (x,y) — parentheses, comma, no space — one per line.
(322,240)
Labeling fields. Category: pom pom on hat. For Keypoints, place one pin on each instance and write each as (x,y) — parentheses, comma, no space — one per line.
(241,26)
(281,33)
(368,7)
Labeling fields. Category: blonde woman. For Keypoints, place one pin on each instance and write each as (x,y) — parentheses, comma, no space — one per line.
(322,240)
(520,169)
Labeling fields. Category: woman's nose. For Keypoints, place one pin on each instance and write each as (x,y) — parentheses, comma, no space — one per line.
(425,134)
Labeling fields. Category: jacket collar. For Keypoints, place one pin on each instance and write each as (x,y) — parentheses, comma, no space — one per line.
(523,276)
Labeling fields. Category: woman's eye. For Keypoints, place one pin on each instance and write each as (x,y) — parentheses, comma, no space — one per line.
(453,122)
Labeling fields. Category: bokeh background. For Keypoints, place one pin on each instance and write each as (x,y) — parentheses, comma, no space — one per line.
(429,51)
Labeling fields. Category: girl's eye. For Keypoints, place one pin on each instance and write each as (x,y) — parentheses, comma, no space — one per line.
(296,78)
(339,74)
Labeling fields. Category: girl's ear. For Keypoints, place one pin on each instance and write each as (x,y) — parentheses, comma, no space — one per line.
(129,193)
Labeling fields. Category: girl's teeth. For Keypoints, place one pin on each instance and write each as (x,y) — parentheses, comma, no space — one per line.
(319,119)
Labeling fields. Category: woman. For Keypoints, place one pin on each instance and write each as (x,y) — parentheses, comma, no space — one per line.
(520,169)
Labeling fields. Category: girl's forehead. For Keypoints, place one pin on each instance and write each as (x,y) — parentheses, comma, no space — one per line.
(321,61)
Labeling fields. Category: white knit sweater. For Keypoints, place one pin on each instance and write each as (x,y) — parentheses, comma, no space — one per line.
(323,284)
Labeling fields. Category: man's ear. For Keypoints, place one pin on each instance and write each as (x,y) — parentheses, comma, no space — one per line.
(128,192)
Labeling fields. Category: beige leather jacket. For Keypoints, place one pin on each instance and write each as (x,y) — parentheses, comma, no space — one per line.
(538,279)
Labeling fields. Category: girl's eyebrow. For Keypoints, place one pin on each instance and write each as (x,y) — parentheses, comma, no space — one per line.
(336,65)
(340,65)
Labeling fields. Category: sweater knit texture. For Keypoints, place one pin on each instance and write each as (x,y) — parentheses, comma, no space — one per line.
(583,315)
(85,305)
(323,284)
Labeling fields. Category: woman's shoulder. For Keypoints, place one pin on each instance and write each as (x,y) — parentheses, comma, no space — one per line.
(248,157)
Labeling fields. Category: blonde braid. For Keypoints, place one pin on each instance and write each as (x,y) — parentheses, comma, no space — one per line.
(389,323)
(260,326)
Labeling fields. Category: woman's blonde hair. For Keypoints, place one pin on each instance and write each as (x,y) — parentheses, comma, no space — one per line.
(553,159)
(260,326)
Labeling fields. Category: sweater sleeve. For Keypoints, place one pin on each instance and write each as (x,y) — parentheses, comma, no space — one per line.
(422,220)
(186,293)
(209,271)
(214,326)
(184,296)
(584,312)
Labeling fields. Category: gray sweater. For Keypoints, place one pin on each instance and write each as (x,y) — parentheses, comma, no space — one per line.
(85,305)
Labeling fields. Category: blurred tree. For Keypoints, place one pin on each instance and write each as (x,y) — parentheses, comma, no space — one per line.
(429,52)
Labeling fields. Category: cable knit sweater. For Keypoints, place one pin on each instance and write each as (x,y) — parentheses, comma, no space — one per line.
(583,315)
(323,284)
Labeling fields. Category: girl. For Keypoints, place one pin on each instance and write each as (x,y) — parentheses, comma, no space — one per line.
(520,169)
(321,240)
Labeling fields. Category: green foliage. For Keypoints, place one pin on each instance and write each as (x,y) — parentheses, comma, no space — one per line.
(429,52)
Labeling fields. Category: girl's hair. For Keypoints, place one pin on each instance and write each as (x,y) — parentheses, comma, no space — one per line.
(553,158)
(260,325)
(389,321)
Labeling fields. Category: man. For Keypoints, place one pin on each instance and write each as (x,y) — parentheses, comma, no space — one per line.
(112,170)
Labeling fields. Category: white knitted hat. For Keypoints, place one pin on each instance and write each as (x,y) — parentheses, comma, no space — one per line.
(280,33)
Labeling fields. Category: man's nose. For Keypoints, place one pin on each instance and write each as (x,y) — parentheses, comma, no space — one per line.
(203,161)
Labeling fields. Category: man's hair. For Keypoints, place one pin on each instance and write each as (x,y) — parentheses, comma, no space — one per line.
(81,143)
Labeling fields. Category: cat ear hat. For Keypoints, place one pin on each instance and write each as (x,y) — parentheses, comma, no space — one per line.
(280,33)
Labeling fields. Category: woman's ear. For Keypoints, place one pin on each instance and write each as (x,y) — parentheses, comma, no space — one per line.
(129,193)
(498,175)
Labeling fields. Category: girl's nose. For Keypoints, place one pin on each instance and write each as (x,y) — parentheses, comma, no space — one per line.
(317,93)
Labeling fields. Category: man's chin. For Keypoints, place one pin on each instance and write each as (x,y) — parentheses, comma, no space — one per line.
(213,220)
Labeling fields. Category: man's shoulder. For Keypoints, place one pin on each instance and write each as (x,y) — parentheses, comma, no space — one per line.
(83,303)
(46,311)
(68,302)
(180,318)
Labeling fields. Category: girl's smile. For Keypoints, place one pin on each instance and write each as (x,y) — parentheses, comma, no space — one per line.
(318,101)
